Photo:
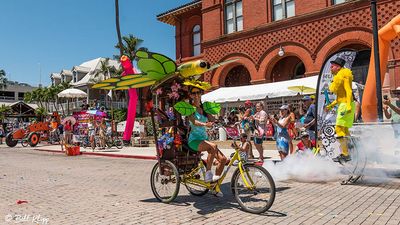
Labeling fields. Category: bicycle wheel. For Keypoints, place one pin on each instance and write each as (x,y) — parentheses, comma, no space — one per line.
(118,143)
(260,196)
(24,143)
(195,189)
(165,182)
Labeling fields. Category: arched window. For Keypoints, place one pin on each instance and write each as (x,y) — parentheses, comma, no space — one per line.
(196,40)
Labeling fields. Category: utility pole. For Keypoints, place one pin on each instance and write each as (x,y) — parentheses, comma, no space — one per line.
(377,60)
(40,75)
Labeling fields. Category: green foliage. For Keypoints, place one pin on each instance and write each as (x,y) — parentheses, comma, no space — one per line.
(3,110)
(120,114)
(41,112)
(148,125)
(129,46)
(3,79)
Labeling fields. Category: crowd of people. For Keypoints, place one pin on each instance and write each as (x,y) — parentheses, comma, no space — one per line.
(290,123)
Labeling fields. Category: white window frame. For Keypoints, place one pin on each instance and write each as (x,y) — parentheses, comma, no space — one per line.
(284,5)
(336,2)
(235,17)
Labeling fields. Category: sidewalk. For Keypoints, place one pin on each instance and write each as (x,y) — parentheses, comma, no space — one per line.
(144,152)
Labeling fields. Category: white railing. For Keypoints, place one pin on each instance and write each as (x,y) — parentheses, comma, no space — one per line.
(76,105)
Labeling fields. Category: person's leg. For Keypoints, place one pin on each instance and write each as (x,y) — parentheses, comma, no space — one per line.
(258,143)
(342,133)
(291,146)
(221,162)
(282,155)
(202,146)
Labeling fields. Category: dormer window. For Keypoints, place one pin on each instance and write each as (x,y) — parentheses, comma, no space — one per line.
(75,76)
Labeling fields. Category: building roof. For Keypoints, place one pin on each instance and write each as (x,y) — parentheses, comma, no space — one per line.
(55,75)
(66,72)
(168,17)
(14,104)
(93,67)
(82,69)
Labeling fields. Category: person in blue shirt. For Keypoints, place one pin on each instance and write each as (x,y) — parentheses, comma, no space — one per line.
(198,138)
(309,117)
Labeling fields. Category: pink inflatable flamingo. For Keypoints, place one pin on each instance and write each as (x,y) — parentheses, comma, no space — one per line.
(133,98)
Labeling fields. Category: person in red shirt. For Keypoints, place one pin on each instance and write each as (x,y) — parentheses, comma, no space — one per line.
(306,144)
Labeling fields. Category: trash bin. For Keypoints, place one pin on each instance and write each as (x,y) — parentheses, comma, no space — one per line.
(222,134)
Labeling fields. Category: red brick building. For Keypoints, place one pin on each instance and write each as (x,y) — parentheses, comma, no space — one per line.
(306,32)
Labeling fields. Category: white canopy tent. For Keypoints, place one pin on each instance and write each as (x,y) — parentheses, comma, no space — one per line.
(260,91)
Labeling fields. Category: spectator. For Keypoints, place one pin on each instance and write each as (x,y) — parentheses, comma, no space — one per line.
(68,132)
(84,105)
(246,122)
(2,134)
(244,147)
(309,117)
(102,133)
(291,127)
(232,118)
(260,119)
(306,144)
(282,135)
(392,111)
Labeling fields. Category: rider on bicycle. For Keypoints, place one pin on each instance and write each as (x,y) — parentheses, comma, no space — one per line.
(198,138)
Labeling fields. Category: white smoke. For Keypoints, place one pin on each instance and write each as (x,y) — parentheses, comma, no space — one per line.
(379,154)
(382,150)
(305,167)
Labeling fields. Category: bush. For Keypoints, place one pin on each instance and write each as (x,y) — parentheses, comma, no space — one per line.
(120,114)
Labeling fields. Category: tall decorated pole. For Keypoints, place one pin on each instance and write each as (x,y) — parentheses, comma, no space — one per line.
(128,69)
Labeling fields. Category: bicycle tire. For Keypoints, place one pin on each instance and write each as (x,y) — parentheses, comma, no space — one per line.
(261,173)
(118,143)
(172,177)
(195,189)
(24,143)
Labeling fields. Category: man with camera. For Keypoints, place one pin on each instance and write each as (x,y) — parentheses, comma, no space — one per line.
(392,111)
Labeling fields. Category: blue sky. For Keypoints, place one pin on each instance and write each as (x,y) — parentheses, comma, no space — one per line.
(49,35)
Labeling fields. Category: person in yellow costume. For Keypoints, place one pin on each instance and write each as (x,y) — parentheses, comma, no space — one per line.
(341,86)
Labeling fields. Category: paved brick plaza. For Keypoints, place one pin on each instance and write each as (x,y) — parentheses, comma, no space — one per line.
(104,190)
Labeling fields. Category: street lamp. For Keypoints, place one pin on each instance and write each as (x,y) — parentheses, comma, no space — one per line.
(281,51)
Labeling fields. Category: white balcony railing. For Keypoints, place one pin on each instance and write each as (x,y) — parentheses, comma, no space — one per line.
(76,105)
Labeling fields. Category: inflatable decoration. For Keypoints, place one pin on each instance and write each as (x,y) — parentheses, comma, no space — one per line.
(385,35)
(131,114)
(155,70)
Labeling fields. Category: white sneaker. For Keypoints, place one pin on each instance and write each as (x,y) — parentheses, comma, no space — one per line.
(209,176)
(215,178)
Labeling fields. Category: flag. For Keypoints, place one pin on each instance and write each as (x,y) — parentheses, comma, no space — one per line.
(110,94)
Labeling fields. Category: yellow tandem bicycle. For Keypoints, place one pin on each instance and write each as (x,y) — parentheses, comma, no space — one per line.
(251,184)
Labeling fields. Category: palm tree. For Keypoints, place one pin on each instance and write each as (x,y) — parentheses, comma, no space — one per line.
(3,79)
(129,46)
(3,111)
(61,87)
(41,113)
(28,97)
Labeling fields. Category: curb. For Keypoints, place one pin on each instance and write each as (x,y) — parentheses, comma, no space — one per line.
(104,154)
